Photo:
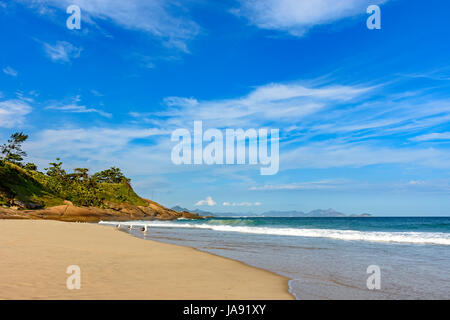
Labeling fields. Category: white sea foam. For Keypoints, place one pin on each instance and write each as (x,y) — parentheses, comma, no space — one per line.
(351,235)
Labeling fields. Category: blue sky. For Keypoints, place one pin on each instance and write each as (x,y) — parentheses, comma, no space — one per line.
(363,114)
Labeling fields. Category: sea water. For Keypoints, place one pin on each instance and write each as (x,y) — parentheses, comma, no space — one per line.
(327,258)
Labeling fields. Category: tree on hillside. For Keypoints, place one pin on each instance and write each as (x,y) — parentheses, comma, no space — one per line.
(56,169)
(81,173)
(12,150)
(30,166)
(111,175)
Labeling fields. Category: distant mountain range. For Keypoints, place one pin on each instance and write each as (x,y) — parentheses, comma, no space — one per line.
(315,213)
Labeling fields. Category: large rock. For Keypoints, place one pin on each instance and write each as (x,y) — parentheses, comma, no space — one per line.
(133,211)
(27,205)
(114,212)
(190,215)
(148,211)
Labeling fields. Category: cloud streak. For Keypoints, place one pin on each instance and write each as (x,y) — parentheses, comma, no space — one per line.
(325,126)
(73,108)
(61,51)
(321,126)
(297,17)
(436,136)
(275,102)
(13,112)
(164,19)
(427,186)
(311,185)
(10,71)
(241,204)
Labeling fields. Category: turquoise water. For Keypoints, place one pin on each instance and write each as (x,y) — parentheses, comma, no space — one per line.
(397,224)
(327,258)
(437,224)
(427,224)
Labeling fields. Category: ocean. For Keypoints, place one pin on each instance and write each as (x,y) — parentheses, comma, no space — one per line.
(326,258)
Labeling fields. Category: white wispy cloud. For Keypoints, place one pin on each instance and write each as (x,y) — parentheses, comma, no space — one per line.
(99,147)
(275,102)
(207,202)
(241,204)
(440,74)
(332,185)
(96,93)
(386,116)
(73,108)
(13,112)
(436,136)
(347,127)
(10,71)
(324,125)
(61,51)
(91,139)
(296,17)
(428,186)
(333,154)
(309,185)
(164,19)
(27,97)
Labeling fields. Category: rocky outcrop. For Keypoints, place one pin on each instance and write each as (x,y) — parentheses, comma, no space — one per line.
(111,212)
(190,215)
(26,205)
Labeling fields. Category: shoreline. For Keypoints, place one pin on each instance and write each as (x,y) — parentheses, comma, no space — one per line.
(116,265)
(289,280)
(288,286)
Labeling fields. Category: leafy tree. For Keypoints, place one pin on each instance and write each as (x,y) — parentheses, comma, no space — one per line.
(76,187)
(55,169)
(111,175)
(12,151)
(30,166)
(82,172)
(85,193)
(79,174)
(57,181)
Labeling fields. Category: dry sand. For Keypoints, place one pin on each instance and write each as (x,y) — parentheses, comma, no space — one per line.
(34,256)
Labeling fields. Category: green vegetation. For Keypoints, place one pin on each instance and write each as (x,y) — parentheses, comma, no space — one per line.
(12,151)
(25,185)
(112,175)
(18,184)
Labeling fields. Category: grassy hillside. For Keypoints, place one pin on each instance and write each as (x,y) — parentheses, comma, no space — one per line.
(120,193)
(20,186)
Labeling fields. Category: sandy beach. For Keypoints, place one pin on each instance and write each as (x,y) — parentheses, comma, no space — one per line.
(115,265)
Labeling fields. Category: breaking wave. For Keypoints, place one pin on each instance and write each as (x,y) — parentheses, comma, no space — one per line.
(350,235)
